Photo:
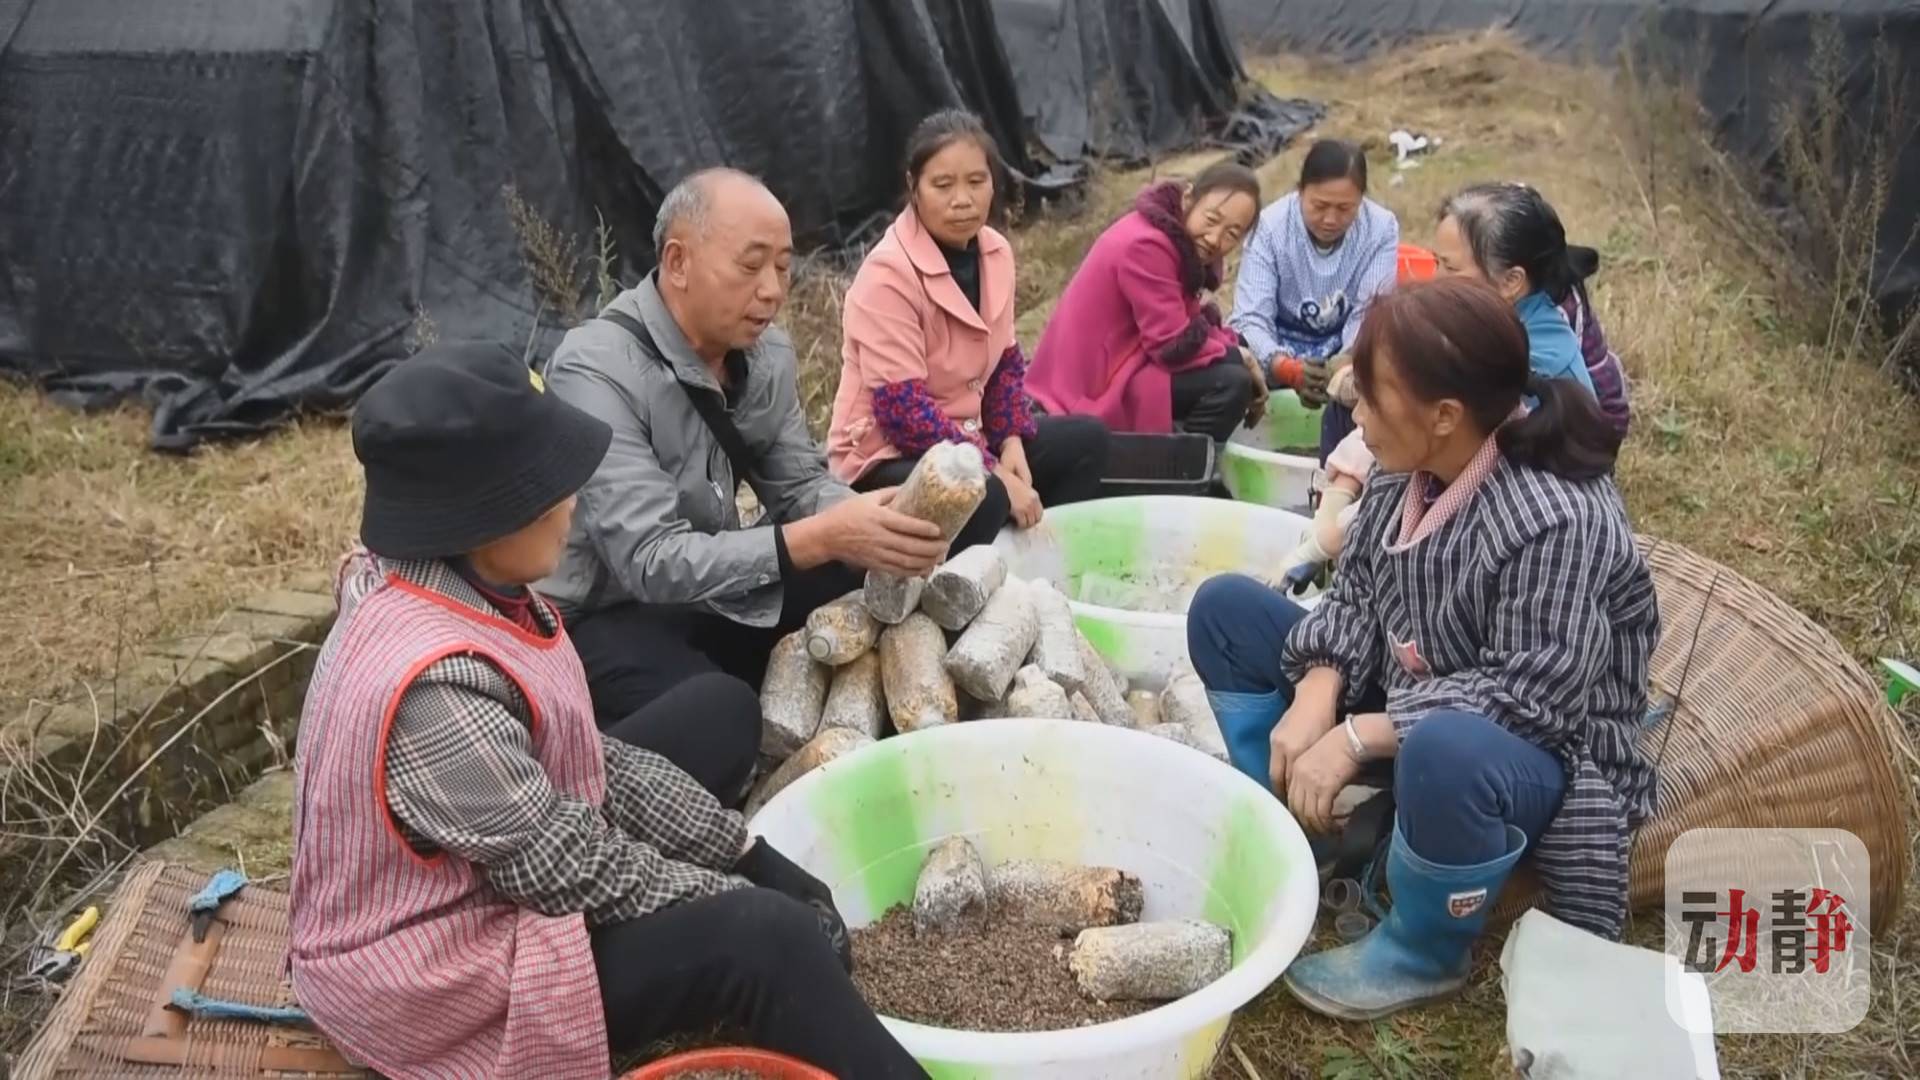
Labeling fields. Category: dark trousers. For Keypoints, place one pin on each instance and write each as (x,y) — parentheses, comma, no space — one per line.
(1213,400)
(1236,629)
(1067,456)
(1458,780)
(1336,423)
(751,959)
(633,653)
(709,725)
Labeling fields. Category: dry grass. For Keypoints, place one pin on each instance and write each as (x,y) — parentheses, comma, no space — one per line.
(812,318)
(110,544)
(1750,446)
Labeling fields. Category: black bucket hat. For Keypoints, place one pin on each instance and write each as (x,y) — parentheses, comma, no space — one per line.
(462,446)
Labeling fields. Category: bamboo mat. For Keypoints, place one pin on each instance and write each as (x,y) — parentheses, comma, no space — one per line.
(105,1007)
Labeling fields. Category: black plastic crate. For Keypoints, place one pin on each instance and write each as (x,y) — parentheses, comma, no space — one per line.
(1158,465)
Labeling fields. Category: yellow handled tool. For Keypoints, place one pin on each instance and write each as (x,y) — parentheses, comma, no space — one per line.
(74,938)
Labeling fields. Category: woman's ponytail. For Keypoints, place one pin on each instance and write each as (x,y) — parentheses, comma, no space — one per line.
(1565,434)
(1583,261)
(1562,272)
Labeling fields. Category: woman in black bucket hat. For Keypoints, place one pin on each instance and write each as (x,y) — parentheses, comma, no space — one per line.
(483,882)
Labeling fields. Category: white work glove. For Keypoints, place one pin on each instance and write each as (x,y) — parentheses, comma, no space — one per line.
(1333,502)
(1301,565)
(1306,559)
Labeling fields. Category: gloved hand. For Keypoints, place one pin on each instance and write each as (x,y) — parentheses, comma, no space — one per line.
(1340,385)
(769,869)
(1280,372)
(1301,565)
(1313,383)
(1298,578)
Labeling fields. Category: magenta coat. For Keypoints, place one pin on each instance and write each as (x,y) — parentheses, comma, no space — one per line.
(1129,319)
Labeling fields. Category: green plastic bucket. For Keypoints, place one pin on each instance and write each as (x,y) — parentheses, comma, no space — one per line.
(1264,464)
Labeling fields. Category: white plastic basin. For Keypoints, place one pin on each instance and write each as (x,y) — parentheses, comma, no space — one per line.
(1130,567)
(1206,841)
(1256,464)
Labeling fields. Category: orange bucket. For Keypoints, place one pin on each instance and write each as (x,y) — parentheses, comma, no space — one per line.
(762,1063)
(1417,263)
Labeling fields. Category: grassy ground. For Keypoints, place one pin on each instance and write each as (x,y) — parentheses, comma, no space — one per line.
(110,544)
(1751,445)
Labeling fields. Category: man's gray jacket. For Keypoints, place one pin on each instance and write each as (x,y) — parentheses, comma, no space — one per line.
(658,522)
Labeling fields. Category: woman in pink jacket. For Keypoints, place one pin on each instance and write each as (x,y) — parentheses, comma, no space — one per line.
(929,352)
(1135,340)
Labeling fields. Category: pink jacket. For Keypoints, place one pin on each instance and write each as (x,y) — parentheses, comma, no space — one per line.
(1130,318)
(906,318)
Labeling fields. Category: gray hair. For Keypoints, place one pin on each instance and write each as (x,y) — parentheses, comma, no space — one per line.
(689,205)
(1512,225)
(1489,218)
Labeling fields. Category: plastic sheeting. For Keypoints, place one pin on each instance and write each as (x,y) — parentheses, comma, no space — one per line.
(1130,79)
(234,209)
(1746,59)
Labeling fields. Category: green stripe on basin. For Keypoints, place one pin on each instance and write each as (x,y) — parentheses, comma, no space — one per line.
(1248,867)
(1107,537)
(1247,478)
(947,1070)
(1290,425)
(1109,639)
(868,810)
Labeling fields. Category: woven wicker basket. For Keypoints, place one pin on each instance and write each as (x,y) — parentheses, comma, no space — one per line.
(1770,723)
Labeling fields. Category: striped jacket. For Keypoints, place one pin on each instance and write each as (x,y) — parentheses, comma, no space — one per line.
(1529,605)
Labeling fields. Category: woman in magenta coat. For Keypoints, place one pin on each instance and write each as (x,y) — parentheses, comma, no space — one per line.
(1135,340)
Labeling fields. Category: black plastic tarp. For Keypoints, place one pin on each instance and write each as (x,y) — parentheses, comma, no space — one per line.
(1745,59)
(1127,80)
(234,209)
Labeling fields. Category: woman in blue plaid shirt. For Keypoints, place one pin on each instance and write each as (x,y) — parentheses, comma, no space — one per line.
(1489,632)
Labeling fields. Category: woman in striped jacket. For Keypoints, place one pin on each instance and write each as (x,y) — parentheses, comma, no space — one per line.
(1489,631)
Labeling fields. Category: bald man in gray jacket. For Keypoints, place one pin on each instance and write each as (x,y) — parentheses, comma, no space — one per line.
(661,580)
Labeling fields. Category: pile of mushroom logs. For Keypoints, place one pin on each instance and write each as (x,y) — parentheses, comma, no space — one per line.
(968,642)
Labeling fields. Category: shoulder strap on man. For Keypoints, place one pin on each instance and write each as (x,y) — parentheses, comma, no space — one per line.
(712,409)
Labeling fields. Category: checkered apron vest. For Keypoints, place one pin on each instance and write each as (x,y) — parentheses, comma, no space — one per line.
(415,966)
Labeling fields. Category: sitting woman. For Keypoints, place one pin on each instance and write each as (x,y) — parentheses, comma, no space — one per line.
(1323,254)
(484,884)
(1134,340)
(1510,236)
(929,353)
(1507,235)
(1489,632)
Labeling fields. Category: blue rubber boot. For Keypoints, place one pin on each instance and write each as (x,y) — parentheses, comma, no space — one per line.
(1421,951)
(1246,723)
